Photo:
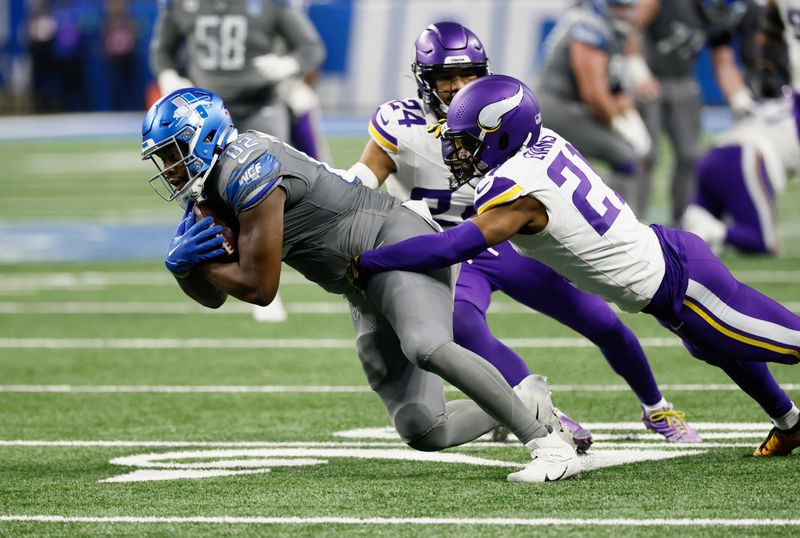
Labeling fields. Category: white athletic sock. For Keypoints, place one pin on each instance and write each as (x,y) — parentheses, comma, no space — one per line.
(789,420)
(658,406)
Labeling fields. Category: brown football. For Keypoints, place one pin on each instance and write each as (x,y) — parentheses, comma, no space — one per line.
(223,217)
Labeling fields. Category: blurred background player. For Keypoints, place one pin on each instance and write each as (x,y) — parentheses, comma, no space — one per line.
(580,87)
(407,158)
(253,54)
(661,72)
(740,177)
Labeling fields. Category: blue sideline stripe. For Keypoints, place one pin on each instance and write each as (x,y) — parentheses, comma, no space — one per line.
(128,125)
(68,241)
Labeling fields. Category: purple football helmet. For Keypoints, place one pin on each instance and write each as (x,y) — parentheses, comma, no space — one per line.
(489,120)
(445,46)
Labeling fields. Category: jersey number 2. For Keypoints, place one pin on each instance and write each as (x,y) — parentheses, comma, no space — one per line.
(595,201)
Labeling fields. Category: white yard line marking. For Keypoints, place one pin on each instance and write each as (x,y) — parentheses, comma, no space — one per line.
(386,437)
(25,282)
(317,389)
(343,520)
(272,343)
(230,308)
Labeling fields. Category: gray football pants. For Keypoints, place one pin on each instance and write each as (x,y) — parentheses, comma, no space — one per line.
(404,327)
(677,111)
(595,140)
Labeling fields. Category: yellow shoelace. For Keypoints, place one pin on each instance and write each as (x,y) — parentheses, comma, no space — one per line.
(673,418)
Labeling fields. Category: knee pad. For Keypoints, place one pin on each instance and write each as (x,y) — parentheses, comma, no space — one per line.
(413,421)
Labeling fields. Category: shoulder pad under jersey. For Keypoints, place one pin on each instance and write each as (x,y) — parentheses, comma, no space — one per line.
(493,191)
(244,185)
(592,30)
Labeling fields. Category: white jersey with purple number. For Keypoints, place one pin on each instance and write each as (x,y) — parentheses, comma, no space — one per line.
(790,13)
(592,237)
(400,129)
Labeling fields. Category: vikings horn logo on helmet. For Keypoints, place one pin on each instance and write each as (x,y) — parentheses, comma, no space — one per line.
(490,118)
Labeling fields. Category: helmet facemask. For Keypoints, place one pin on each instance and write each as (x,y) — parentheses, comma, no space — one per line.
(187,130)
(195,173)
(426,76)
(461,153)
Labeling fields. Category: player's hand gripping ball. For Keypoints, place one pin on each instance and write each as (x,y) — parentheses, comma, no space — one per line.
(230,226)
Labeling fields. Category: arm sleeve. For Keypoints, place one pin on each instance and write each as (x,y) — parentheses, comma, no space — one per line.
(426,252)
(252,183)
(303,40)
(166,41)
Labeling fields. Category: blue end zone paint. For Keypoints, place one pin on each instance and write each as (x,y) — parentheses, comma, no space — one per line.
(65,242)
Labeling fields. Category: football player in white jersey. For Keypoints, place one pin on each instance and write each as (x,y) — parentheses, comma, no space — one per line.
(747,167)
(404,156)
(539,192)
(740,177)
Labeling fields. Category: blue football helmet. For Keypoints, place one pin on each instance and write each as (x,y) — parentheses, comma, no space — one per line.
(489,120)
(196,122)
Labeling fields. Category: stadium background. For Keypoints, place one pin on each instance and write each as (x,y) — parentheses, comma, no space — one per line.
(369,44)
(102,357)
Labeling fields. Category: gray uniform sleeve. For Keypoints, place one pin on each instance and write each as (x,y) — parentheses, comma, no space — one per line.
(301,37)
(166,41)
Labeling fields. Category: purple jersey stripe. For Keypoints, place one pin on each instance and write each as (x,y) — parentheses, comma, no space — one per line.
(376,127)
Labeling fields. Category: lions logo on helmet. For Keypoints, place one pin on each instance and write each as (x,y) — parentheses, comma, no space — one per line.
(196,123)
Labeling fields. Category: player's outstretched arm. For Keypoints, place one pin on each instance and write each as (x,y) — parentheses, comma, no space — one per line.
(467,240)
(256,275)
(374,166)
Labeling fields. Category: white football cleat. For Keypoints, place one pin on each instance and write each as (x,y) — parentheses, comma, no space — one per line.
(535,394)
(553,459)
(272,313)
(699,221)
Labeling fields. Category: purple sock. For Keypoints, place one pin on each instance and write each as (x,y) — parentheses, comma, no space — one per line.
(303,136)
(471,331)
(756,380)
(626,357)
(551,294)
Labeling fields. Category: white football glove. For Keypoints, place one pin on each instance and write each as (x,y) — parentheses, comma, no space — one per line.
(274,67)
(742,104)
(631,128)
(299,96)
(169,80)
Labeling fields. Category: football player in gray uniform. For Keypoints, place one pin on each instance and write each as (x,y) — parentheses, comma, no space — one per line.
(581,88)
(671,35)
(253,54)
(292,208)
